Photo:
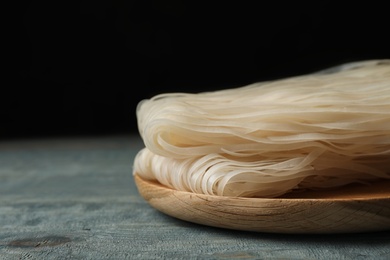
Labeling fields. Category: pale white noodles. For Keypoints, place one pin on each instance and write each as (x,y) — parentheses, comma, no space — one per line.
(319,130)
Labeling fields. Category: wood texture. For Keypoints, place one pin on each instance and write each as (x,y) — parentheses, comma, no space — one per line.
(350,209)
(75,198)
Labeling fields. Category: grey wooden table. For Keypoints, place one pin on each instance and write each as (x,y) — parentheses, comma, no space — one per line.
(75,198)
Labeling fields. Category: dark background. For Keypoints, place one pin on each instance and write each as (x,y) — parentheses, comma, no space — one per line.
(81,68)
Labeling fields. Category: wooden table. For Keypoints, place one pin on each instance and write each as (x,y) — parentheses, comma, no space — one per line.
(75,198)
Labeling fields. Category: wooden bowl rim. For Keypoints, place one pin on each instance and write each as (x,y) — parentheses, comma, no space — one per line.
(355,192)
(369,211)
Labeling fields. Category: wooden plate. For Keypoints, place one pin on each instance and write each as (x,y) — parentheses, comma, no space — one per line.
(358,208)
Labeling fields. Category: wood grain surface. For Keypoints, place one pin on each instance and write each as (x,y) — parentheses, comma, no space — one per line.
(75,198)
(357,208)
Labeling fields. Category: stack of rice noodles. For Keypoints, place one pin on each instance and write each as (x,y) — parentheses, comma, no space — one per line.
(315,131)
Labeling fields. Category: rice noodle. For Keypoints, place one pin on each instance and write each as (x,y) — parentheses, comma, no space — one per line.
(320,130)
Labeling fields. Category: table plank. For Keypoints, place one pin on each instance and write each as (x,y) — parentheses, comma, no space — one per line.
(76,198)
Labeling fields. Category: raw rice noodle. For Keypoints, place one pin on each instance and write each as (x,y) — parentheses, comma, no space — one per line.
(315,131)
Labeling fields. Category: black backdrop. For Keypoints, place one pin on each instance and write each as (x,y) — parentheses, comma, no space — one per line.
(81,68)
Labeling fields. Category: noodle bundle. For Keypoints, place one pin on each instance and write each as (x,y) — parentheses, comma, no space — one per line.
(314,131)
